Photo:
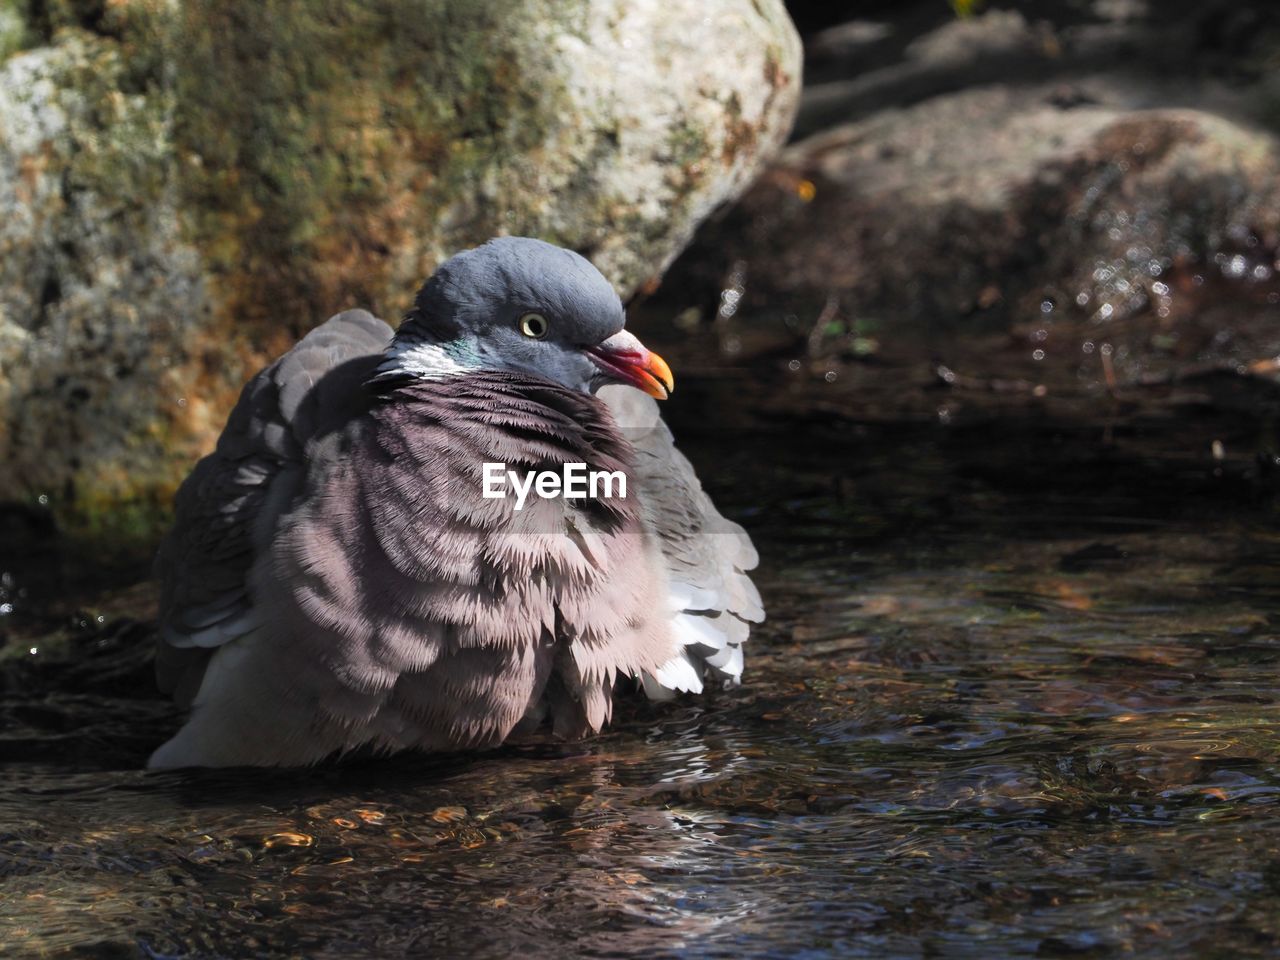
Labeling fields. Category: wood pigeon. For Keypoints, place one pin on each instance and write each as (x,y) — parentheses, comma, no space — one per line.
(339,576)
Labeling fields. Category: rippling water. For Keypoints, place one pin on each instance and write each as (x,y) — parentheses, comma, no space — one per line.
(1017,696)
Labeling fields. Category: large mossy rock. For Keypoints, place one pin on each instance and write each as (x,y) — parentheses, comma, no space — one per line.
(185,187)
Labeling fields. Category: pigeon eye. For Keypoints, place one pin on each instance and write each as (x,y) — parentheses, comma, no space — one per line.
(534,325)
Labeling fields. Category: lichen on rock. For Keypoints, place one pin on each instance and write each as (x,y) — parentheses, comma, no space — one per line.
(95,278)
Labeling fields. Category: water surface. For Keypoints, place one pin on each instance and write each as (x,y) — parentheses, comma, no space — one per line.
(1016,697)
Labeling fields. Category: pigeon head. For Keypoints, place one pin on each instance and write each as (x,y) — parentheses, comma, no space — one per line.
(523,306)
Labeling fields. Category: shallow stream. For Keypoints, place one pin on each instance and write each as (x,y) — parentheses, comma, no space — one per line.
(1017,696)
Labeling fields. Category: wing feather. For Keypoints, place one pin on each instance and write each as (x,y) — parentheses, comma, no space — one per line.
(707,557)
(227,509)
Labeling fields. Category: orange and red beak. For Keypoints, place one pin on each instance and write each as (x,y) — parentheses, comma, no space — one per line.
(625,359)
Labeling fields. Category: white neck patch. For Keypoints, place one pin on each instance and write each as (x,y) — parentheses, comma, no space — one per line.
(425,360)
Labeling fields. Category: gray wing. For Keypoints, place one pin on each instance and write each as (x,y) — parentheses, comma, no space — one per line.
(227,509)
(707,557)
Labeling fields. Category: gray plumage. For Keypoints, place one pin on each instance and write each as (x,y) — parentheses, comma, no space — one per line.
(334,579)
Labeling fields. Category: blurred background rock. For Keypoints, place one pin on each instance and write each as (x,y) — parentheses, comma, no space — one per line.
(1064,201)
